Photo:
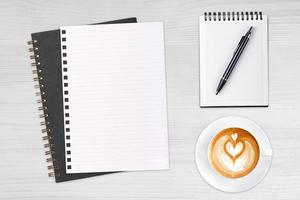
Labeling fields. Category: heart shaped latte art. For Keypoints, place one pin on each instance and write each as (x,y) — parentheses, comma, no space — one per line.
(234,136)
(233,152)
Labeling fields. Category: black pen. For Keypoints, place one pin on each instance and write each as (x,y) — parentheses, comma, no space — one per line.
(236,55)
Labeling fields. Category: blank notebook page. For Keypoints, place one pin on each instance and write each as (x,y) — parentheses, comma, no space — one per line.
(115,97)
(219,37)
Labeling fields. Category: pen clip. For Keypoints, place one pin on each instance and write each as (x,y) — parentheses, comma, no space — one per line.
(238,46)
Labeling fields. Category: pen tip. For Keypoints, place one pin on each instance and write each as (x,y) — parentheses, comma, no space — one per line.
(217,92)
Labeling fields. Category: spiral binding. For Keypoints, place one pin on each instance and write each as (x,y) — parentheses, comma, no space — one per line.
(42,107)
(232,16)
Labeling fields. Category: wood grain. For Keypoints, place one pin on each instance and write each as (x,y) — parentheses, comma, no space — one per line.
(23,173)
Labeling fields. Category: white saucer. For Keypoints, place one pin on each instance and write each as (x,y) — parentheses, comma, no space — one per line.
(227,184)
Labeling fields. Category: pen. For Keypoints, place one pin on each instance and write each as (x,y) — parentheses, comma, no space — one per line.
(236,55)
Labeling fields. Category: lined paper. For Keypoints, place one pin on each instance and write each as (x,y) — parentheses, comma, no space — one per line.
(115,97)
(248,83)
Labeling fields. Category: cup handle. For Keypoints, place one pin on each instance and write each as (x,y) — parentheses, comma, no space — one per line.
(266,152)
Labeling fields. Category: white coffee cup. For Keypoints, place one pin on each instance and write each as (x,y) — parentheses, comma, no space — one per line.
(233,184)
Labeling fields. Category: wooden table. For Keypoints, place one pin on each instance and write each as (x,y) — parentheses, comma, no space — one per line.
(23,173)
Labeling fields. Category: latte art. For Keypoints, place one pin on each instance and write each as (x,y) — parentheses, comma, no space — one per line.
(233,152)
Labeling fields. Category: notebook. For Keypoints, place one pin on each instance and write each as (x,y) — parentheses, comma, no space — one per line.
(220,34)
(46,58)
(115,104)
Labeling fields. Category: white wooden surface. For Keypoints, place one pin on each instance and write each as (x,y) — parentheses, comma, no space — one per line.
(23,173)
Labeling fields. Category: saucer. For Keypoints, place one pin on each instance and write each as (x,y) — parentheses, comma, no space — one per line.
(238,184)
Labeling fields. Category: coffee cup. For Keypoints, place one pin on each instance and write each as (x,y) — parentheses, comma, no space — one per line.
(233,154)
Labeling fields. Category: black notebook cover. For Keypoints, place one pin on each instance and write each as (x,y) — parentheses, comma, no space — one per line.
(47,61)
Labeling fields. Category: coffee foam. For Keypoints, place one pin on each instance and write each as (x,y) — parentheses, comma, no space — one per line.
(233,152)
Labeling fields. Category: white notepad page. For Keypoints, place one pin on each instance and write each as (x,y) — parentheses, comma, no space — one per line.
(248,83)
(115,97)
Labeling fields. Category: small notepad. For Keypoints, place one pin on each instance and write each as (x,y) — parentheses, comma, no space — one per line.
(220,34)
(114,97)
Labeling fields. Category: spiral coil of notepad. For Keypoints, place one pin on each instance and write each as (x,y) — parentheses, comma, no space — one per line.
(232,16)
(42,106)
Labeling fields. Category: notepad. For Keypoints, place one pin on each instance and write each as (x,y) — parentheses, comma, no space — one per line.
(220,34)
(115,104)
(46,64)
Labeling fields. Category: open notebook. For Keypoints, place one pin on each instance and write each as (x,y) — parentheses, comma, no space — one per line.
(219,35)
(46,60)
(114,97)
